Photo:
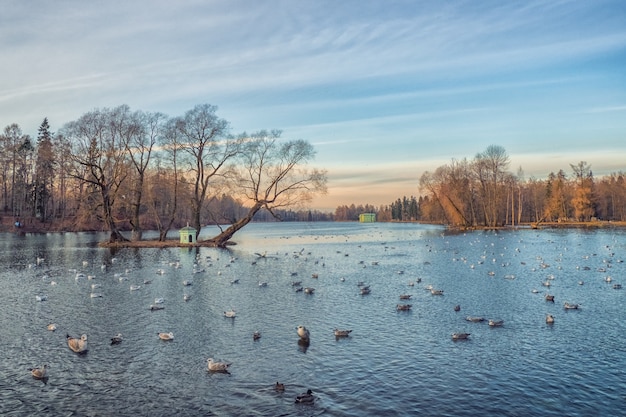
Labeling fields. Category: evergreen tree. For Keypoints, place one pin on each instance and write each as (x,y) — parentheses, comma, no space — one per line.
(44,172)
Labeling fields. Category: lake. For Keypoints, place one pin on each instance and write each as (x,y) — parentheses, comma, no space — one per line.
(392,363)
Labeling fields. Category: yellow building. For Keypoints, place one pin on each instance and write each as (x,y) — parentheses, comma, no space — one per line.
(367,217)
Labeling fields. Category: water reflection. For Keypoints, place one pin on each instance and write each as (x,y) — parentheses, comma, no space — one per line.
(397,361)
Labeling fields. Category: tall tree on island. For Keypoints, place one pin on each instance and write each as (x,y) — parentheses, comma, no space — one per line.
(203,136)
(99,156)
(273,175)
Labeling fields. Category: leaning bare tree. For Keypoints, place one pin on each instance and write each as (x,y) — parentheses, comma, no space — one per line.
(99,155)
(273,175)
(203,136)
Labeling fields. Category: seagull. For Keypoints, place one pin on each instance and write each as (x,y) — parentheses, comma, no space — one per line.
(303,332)
(231,313)
(217,366)
(166,336)
(186,297)
(306,398)
(116,339)
(77,345)
(39,373)
(52,327)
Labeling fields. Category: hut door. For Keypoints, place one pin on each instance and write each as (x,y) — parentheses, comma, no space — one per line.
(190,238)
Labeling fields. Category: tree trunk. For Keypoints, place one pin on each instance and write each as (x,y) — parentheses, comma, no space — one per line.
(222,239)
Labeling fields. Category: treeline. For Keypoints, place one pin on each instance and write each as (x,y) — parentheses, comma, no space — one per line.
(115,169)
(482,193)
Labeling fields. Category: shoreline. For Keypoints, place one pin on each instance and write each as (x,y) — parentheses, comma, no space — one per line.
(173,243)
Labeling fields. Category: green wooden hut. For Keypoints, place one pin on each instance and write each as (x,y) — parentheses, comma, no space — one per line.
(367,217)
(187,235)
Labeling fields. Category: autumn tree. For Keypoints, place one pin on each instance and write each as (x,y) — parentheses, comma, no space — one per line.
(582,200)
(273,175)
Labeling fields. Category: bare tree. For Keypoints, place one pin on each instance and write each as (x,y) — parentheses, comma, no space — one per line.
(99,150)
(205,140)
(273,175)
(490,168)
(142,130)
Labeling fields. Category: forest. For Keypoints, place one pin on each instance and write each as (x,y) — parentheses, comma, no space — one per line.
(482,192)
(115,170)
(120,170)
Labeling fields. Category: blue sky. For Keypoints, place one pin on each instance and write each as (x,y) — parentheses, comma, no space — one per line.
(384,90)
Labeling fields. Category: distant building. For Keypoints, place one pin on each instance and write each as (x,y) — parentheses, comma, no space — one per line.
(367,217)
(187,234)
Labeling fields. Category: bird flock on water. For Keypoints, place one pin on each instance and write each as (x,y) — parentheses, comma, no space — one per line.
(78,344)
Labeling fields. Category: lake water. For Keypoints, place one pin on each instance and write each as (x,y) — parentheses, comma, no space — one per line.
(393,362)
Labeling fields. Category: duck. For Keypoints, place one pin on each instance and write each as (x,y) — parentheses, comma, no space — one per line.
(405,297)
(186,297)
(39,373)
(403,307)
(116,339)
(231,313)
(436,292)
(549,297)
(342,333)
(570,306)
(303,332)
(217,366)
(460,336)
(474,319)
(309,290)
(166,336)
(52,327)
(496,323)
(279,386)
(77,345)
(457,307)
(305,398)
(159,300)
(549,319)
(155,307)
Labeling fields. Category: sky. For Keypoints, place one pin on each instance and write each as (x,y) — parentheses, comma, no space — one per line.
(384,90)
